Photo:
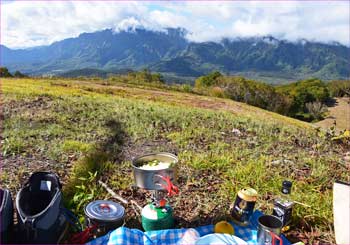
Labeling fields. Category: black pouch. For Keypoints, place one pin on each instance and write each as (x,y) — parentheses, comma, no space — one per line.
(39,208)
(6,216)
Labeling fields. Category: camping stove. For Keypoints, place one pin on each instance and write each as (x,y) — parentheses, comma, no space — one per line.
(158,214)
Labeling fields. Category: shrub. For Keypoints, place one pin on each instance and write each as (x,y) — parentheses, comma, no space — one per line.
(208,80)
(19,74)
(143,77)
(4,72)
(288,99)
(339,88)
(217,92)
(187,88)
(303,92)
(316,109)
(157,77)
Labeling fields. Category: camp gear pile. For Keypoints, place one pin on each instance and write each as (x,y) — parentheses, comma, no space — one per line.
(123,235)
(41,217)
(156,173)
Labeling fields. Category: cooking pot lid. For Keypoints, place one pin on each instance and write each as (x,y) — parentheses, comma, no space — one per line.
(104,210)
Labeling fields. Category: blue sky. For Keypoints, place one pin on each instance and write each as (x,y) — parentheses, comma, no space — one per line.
(28,24)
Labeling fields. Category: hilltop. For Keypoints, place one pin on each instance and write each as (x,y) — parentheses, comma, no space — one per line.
(170,53)
(77,128)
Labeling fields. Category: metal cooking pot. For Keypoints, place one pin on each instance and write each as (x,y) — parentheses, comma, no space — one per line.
(151,179)
(106,215)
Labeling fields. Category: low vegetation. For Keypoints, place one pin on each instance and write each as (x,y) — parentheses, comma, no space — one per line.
(140,77)
(303,93)
(88,131)
(340,88)
(304,99)
(4,72)
(240,89)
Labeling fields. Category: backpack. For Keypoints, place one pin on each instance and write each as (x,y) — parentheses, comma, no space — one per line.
(39,208)
(6,216)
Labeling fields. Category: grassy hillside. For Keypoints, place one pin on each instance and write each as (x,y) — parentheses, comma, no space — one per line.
(73,127)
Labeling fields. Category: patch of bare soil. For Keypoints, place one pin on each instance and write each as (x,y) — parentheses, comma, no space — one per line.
(39,103)
(339,115)
(141,147)
(15,170)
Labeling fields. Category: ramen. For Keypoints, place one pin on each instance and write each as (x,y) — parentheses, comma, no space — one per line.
(155,165)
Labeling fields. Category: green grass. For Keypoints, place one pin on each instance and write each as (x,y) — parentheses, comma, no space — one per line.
(81,127)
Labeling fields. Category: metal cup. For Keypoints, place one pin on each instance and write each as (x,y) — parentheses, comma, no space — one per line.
(269,229)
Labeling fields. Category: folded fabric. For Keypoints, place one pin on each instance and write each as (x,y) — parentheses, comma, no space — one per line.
(189,237)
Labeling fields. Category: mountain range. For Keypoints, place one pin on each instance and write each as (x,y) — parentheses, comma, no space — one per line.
(169,52)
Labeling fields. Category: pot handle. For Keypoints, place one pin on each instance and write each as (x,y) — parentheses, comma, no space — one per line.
(104,206)
(274,238)
(169,186)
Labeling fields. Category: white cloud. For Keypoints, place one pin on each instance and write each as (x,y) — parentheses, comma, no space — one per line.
(36,23)
(293,20)
(26,24)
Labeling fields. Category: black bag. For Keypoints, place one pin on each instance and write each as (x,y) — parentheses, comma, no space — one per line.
(39,207)
(6,216)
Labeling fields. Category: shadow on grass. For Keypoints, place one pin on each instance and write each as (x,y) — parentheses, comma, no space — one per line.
(104,153)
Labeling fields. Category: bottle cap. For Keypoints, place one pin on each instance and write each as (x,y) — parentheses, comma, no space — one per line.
(286,187)
(248,194)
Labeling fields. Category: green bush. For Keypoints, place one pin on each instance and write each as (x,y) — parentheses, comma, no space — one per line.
(143,77)
(208,80)
(4,72)
(19,74)
(288,99)
(240,89)
(339,88)
(187,88)
(303,92)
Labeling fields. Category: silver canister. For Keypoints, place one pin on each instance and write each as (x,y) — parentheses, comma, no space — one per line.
(150,179)
(269,229)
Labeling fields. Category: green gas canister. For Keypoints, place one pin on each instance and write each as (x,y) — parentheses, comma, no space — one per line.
(157,218)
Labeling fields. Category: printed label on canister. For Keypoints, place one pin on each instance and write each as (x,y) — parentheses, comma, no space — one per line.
(149,212)
(244,205)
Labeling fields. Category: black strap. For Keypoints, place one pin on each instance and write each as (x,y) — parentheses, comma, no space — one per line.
(29,226)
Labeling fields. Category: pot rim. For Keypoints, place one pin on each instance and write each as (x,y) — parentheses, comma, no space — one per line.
(88,211)
(168,154)
(272,217)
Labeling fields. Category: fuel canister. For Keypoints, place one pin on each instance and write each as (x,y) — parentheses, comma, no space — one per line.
(244,206)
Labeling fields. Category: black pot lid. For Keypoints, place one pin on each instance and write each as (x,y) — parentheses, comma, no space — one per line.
(104,210)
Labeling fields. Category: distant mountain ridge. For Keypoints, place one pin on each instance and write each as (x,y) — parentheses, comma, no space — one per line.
(171,53)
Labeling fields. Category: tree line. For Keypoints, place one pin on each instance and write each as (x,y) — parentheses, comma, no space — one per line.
(304,99)
(4,72)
